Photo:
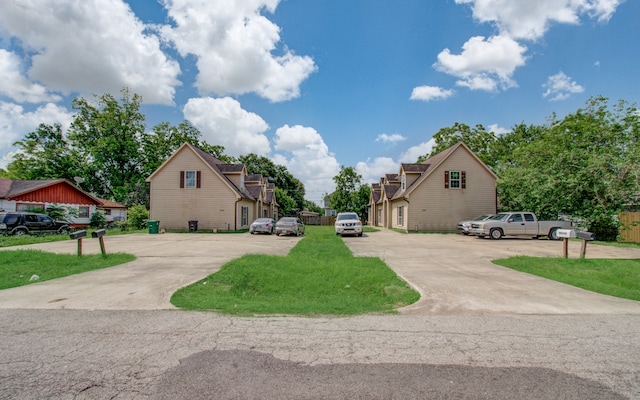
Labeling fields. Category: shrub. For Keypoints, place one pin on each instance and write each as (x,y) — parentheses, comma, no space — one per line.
(137,216)
(98,220)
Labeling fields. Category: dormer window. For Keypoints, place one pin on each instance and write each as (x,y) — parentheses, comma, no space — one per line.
(403,181)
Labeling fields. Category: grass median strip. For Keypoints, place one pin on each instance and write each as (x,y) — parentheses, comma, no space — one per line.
(613,277)
(318,276)
(22,267)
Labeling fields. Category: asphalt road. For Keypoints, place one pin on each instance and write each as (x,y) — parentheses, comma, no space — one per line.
(459,342)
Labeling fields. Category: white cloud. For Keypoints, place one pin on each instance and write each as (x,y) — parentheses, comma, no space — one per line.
(305,154)
(90,46)
(412,154)
(224,122)
(498,130)
(235,45)
(394,138)
(527,19)
(484,64)
(428,93)
(18,87)
(560,87)
(15,123)
(372,171)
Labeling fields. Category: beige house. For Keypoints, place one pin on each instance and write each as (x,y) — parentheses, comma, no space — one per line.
(192,185)
(435,195)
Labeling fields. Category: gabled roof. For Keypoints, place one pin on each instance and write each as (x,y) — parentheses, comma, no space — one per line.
(432,164)
(253,178)
(218,167)
(391,178)
(414,168)
(255,191)
(390,190)
(11,189)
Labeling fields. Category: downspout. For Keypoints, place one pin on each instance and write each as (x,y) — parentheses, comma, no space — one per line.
(235,214)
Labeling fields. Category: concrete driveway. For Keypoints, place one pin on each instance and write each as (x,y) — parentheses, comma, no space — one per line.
(164,264)
(454,273)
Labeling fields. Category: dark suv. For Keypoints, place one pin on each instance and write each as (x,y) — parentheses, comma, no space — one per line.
(22,223)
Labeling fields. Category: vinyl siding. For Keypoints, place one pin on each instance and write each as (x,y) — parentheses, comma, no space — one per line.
(213,205)
(433,208)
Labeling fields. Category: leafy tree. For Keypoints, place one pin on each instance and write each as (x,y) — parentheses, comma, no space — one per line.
(312,206)
(587,166)
(477,138)
(108,131)
(45,154)
(287,203)
(350,194)
(277,174)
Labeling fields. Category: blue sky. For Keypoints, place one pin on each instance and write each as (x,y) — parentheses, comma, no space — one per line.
(316,84)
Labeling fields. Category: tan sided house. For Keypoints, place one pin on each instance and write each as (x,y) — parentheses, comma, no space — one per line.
(193,185)
(433,196)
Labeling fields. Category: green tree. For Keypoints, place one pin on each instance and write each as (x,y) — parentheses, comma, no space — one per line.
(312,206)
(277,174)
(586,165)
(477,138)
(45,154)
(109,133)
(286,203)
(350,194)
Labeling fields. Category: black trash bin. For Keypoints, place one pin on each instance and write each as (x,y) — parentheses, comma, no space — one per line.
(193,226)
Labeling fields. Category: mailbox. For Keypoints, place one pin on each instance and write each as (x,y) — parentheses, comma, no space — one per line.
(566,233)
(78,234)
(584,235)
(98,233)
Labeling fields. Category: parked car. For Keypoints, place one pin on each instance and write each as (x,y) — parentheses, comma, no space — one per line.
(264,225)
(465,226)
(24,223)
(518,224)
(348,223)
(289,226)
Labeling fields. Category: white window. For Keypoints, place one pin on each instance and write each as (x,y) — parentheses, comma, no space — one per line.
(83,212)
(403,182)
(454,179)
(190,179)
(400,215)
(245,216)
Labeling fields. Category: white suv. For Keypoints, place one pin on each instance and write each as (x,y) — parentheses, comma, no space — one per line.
(348,223)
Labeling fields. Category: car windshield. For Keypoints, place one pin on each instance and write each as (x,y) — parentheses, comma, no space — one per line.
(2,215)
(262,220)
(499,217)
(482,217)
(287,220)
(347,216)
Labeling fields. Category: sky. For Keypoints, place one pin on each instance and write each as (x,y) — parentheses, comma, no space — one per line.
(317,84)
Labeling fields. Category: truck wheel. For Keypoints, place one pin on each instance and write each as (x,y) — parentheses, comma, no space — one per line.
(553,234)
(20,232)
(496,234)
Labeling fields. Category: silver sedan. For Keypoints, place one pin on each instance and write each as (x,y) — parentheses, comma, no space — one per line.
(264,225)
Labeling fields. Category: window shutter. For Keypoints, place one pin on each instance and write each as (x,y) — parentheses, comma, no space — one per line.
(463,179)
(446,179)
(181,179)
(198,175)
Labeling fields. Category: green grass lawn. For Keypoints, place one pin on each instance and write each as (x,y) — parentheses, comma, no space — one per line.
(17,267)
(318,276)
(614,277)
(8,241)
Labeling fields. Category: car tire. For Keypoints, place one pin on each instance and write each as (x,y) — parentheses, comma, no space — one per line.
(20,232)
(496,234)
(553,234)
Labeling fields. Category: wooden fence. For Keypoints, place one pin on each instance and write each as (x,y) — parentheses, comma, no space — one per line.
(318,220)
(630,227)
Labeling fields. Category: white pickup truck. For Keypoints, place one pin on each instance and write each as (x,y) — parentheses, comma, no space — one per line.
(518,224)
